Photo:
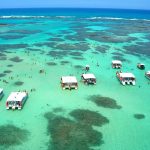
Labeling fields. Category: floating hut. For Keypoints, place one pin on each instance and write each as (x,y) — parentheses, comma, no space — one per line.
(126,78)
(1,93)
(16,100)
(141,66)
(88,78)
(147,74)
(69,82)
(116,64)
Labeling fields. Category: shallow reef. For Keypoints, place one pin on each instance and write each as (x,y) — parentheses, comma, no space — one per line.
(57,54)
(4,47)
(48,44)
(11,37)
(19,83)
(3,58)
(11,135)
(10,65)
(7,71)
(16,59)
(78,134)
(2,54)
(51,63)
(78,58)
(56,39)
(78,67)
(102,49)
(64,62)
(82,46)
(24,31)
(141,48)
(105,102)
(119,57)
(89,117)
(139,116)
(58,109)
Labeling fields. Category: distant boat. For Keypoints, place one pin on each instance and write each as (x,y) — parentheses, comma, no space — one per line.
(69,82)
(141,66)
(116,64)
(1,93)
(89,78)
(147,74)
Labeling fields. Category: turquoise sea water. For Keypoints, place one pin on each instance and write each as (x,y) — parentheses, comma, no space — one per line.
(62,45)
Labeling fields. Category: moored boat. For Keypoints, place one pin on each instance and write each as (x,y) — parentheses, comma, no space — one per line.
(16,100)
(116,64)
(126,78)
(1,93)
(88,78)
(147,75)
(69,82)
(141,66)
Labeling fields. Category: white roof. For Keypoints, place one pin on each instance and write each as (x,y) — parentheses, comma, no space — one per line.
(116,62)
(1,90)
(127,75)
(148,72)
(16,96)
(69,79)
(87,66)
(88,76)
(141,64)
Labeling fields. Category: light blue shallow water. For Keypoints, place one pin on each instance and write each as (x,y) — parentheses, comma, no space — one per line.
(67,44)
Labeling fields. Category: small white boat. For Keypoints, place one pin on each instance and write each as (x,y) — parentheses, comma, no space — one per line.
(116,64)
(69,82)
(147,75)
(87,68)
(141,66)
(88,78)
(1,93)
(16,100)
(126,78)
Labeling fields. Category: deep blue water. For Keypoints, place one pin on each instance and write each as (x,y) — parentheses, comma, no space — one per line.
(79,12)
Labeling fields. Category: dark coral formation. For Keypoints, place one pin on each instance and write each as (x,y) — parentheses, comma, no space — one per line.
(89,117)
(102,49)
(11,37)
(3,58)
(141,48)
(47,44)
(51,64)
(58,109)
(64,62)
(4,47)
(77,46)
(117,57)
(78,58)
(7,71)
(105,102)
(19,83)
(16,59)
(2,75)
(11,135)
(68,134)
(78,67)
(139,116)
(26,32)
(56,39)
(58,54)
(10,65)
